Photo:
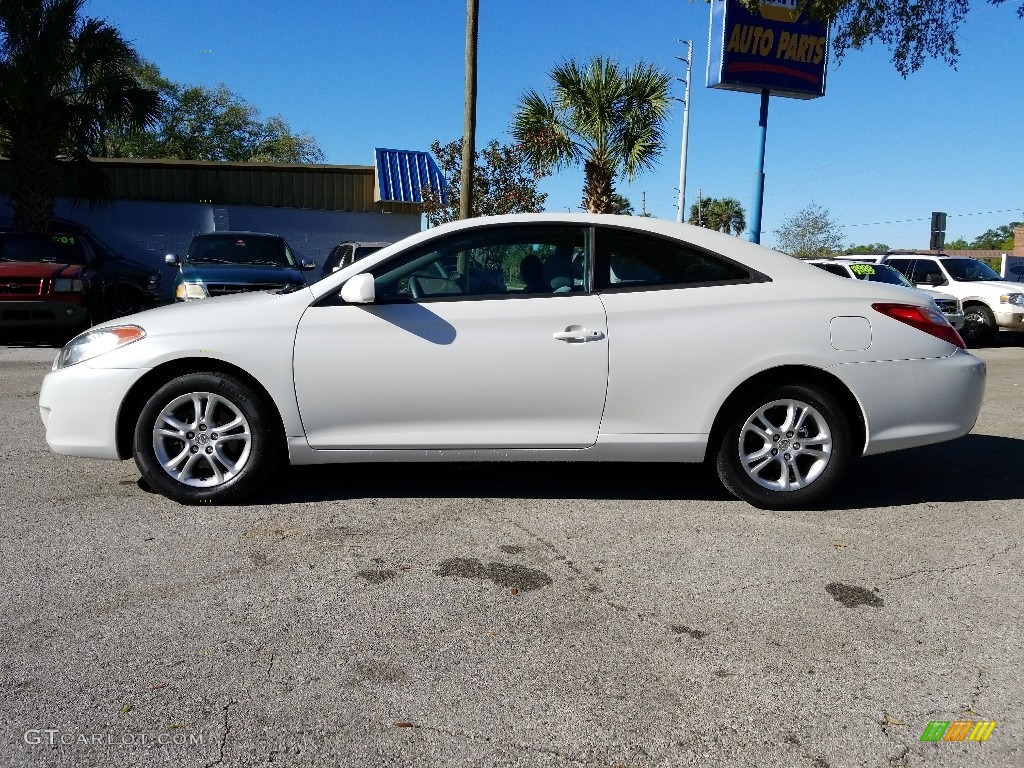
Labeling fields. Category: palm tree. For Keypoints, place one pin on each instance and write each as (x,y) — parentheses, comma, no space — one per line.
(609,119)
(65,80)
(725,215)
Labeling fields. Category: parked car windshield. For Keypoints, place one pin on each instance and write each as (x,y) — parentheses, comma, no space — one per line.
(240,249)
(49,248)
(970,270)
(879,273)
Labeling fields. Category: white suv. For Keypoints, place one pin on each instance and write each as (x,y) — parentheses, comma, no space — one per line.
(948,305)
(990,303)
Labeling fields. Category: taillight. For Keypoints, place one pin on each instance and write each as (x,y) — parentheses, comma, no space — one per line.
(924,319)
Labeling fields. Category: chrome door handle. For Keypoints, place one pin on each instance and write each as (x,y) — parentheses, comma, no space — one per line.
(581,334)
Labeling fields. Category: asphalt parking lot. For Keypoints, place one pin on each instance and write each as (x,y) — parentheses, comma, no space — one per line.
(519,615)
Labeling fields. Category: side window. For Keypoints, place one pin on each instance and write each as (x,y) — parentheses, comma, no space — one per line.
(627,259)
(926,270)
(489,262)
(903,266)
(835,269)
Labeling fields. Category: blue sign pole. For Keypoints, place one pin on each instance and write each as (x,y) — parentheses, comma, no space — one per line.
(758,204)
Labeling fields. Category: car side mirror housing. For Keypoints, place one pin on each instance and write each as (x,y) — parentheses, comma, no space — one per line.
(935,280)
(307,265)
(358,289)
(171,260)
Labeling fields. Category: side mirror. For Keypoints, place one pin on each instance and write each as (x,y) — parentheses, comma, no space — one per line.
(935,280)
(358,289)
(171,260)
(307,265)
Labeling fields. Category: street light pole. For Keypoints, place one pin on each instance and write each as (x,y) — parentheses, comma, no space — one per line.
(681,203)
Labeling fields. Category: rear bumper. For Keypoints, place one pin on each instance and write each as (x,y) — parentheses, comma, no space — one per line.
(24,314)
(939,400)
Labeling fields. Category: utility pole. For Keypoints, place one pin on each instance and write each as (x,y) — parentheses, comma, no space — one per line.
(681,203)
(469,126)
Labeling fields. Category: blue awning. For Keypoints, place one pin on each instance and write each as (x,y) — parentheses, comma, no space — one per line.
(403,174)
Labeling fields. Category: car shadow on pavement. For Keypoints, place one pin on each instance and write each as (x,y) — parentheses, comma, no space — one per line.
(973,468)
(493,480)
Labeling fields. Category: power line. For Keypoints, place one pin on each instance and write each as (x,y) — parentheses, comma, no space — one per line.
(927,218)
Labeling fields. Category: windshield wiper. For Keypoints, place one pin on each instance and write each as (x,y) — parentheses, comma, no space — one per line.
(209,260)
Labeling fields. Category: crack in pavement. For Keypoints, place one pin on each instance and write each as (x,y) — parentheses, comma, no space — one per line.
(224,736)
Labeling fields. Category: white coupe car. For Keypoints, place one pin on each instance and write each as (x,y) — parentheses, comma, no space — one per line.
(525,338)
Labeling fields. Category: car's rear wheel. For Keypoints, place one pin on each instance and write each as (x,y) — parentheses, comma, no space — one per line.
(206,437)
(785,449)
(979,325)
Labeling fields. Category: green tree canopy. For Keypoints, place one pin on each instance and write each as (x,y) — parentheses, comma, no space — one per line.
(998,239)
(810,234)
(609,119)
(724,214)
(503,181)
(855,250)
(912,31)
(200,123)
(65,81)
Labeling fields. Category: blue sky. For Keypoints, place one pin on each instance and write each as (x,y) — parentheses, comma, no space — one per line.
(879,152)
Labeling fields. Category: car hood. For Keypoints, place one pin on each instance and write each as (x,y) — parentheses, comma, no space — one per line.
(240,273)
(39,269)
(998,285)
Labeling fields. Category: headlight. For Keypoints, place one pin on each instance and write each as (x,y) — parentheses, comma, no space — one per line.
(95,343)
(67,285)
(187,291)
(1013,298)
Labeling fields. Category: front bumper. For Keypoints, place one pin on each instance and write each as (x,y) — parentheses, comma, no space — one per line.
(1010,321)
(79,407)
(23,314)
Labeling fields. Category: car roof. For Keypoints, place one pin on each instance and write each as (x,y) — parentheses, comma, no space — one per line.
(235,232)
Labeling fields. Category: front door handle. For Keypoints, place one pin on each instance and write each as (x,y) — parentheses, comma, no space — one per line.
(575,334)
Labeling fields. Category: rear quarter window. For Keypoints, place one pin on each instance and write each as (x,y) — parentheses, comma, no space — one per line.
(627,259)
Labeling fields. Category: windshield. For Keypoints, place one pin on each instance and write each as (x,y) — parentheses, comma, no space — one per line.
(880,273)
(240,249)
(40,247)
(970,270)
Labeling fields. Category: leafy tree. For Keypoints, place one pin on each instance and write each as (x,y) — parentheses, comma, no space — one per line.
(957,245)
(855,250)
(65,80)
(200,123)
(609,119)
(725,214)
(810,234)
(998,239)
(912,31)
(504,181)
(621,205)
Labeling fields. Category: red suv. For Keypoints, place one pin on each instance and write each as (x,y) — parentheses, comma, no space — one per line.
(64,281)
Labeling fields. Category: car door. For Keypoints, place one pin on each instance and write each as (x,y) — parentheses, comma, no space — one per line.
(458,351)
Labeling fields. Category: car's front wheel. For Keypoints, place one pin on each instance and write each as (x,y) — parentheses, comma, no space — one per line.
(979,325)
(785,449)
(206,437)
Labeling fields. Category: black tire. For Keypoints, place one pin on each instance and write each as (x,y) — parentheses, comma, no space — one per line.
(195,463)
(766,464)
(979,325)
(125,301)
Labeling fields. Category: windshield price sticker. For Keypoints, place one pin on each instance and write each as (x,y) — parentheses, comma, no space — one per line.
(862,269)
